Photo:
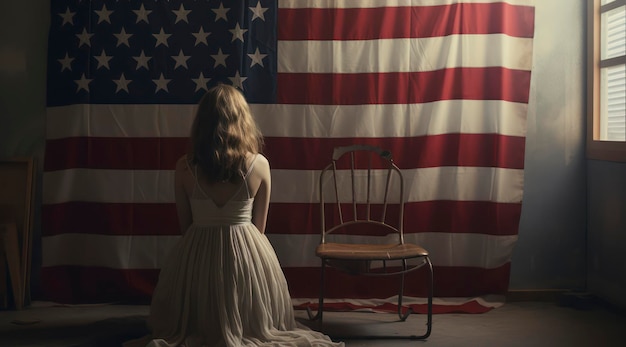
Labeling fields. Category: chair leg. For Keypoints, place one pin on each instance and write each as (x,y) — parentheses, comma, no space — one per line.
(320,307)
(429,315)
(404,316)
(429,319)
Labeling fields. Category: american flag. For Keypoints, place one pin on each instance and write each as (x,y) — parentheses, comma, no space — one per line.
(442,84)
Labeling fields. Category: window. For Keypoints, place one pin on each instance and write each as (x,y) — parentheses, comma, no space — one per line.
(606,138)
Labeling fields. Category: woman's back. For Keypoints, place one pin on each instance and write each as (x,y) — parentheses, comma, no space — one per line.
(244,200)
(221,203)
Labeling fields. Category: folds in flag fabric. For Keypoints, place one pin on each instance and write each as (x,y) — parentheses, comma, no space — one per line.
(442,84)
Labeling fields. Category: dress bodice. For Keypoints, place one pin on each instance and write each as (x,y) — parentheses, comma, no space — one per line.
(206,213)
(236,210)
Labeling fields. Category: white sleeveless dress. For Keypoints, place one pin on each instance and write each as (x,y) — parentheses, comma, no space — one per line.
(222,284)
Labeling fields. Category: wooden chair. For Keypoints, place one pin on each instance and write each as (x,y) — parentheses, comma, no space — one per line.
(362,193)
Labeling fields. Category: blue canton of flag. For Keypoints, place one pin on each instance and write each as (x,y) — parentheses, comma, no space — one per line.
(160,52)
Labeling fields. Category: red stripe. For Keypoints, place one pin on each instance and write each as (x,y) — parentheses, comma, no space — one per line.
(476,150)
(448,216)
(448,282)
(109,219)
(139,153)
(77,284)
(405,22)
(290,153)
(160,219)
(463,83)
(88,285)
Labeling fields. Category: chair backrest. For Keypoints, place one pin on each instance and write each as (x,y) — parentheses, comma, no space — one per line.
(361,188)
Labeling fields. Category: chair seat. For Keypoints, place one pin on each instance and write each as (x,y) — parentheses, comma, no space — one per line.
(369,252)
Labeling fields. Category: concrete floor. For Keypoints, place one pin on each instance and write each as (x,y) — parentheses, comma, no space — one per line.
(514,324)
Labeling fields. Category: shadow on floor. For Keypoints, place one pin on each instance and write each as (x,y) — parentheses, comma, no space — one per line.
(571,322)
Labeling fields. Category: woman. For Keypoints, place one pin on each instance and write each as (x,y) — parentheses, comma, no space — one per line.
(222,284)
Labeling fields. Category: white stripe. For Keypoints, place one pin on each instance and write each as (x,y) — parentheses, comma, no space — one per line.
(395,120)
(114,186)
(383,3)
(101,120)
(405,55)
(319,121)
(425,184)
(295,186)
(149,252)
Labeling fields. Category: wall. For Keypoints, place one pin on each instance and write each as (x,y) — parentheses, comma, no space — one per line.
(607,230)
(552,247)
(23,50)
(23,46)
(551,251)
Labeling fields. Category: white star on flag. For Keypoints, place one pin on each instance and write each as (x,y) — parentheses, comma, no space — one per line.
(83,83)
(201,82)
(103,14)
(220,12)
(84,38)
(161,83)
(220,58)
(257,58)
(68,17)
(142,61)
(181,59)
(237,80)
(201,37)
(66,63)
(122,38)
(161,38)
(103,60)
(122,84)
(142,14)
(238,33)
(258,12)
(181,14)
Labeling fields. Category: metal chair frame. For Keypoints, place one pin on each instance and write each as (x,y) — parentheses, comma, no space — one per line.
(392,170)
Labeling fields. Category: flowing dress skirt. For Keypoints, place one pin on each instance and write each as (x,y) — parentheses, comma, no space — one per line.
(223,286)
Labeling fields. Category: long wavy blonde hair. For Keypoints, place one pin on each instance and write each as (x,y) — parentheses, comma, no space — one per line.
(223,134)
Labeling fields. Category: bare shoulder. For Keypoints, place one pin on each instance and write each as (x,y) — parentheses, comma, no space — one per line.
(261,169)
(262,161)
(182,164)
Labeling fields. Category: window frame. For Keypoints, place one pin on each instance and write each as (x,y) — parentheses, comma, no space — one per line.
(596,149)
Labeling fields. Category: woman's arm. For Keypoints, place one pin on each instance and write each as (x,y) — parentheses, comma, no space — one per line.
(183,206)
(262,197)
